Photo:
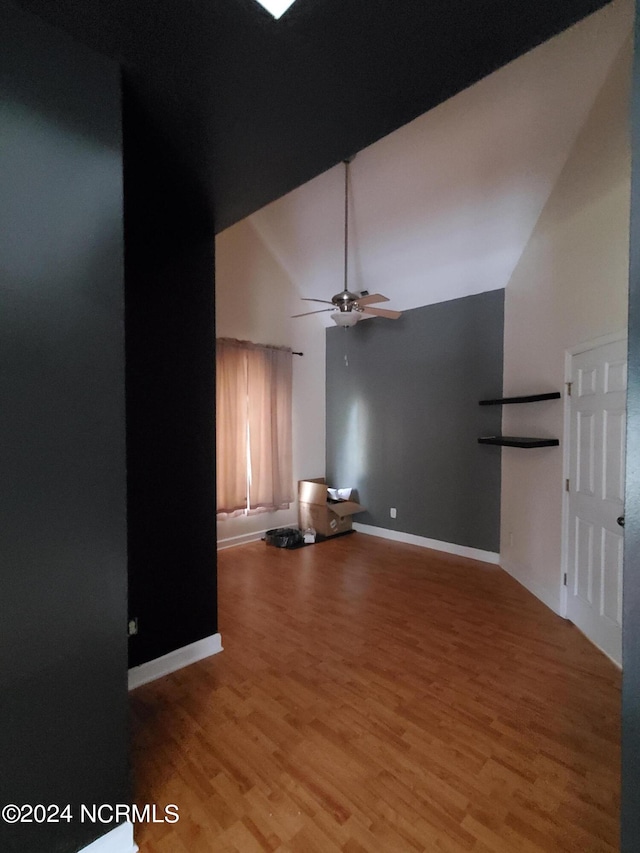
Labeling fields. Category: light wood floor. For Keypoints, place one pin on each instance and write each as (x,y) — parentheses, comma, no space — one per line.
(374,696)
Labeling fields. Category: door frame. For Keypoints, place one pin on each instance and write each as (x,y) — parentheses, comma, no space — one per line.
(569,354)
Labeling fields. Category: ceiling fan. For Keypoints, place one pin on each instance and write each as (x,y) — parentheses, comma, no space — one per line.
(347,307)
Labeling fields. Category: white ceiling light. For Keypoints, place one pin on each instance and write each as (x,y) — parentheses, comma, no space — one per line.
(345,318)
(276,7)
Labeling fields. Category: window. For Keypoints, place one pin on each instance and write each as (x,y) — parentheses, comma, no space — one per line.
(253,427)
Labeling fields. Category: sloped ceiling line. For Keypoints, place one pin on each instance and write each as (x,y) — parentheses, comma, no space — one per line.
(257,106)
(444,206)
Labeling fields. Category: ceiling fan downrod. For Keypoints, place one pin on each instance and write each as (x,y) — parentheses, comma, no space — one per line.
(345,300)
(350,306)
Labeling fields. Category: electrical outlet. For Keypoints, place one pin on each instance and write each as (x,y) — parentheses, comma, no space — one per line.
(392,512)
(133,627)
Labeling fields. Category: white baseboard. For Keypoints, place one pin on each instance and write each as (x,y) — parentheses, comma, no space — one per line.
(153,669)
(119,840)
(243,539)
(520,573)
(424,542)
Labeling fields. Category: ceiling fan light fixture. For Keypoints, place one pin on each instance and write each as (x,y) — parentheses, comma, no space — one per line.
(276,7)
(345,318)
(351,306)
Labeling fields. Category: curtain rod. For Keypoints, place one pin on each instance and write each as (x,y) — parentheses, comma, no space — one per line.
(250,344)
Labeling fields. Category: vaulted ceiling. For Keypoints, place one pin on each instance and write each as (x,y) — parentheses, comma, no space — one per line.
(445,206)
(256,107)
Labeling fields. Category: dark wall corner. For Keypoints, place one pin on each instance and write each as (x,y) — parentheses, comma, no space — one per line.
(170,381)
(63,655)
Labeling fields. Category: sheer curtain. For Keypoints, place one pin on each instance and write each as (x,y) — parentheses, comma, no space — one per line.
(254,436)
(231,427)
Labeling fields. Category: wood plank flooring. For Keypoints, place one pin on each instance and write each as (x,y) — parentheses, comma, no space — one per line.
(374,696)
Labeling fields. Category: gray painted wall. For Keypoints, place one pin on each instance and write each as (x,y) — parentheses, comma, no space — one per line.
(630,805)
(63,645)
(403,418)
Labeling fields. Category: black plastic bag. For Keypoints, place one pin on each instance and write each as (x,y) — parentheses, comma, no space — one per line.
(284,537)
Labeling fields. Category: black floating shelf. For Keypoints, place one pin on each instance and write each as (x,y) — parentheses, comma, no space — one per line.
(531,398)
(518,441)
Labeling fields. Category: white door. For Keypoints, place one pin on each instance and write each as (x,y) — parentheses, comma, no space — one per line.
(596,494)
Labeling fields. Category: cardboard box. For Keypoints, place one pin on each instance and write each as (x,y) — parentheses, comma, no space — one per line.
(314,510)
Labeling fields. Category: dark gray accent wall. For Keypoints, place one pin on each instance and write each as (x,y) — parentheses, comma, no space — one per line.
(630,811)
(170,346)
(403,418)
(63,692)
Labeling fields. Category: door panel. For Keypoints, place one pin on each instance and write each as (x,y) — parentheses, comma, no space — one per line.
(585,473)
(583,565)
(586,383)
(611,580)
(613,460)
(596,476)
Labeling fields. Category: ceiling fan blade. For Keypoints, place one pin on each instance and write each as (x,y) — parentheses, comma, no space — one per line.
(306,313)
(324,301)
(371,298)
(383,312)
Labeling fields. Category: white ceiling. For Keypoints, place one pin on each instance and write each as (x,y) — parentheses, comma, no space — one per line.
(444,207)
